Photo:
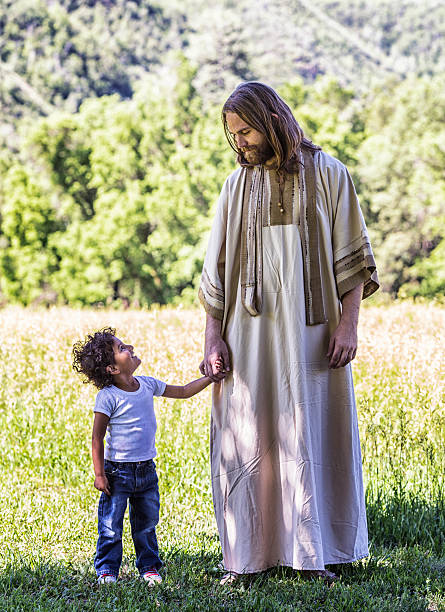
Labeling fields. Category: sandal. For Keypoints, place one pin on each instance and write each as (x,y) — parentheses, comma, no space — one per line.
(324,575)
(229,578)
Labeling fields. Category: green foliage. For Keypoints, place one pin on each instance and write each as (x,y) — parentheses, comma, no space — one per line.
(393,144)
(108,198)
(329,116)
(428,275)
(58,53)
(132,183)
(401,177)
(27,259)
(119,195)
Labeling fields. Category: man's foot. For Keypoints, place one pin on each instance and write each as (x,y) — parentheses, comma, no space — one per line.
(106,579)
(229,578)
(324,575)
(152,577)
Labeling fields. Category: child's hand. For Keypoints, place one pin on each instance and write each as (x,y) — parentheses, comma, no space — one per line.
(101,484)
(218,367)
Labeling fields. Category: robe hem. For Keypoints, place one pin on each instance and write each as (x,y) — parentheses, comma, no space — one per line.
(298,569)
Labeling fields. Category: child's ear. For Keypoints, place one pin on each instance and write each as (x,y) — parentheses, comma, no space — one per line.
(111,369)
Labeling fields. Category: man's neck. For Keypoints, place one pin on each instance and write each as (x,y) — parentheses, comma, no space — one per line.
(271,163)
(290,168)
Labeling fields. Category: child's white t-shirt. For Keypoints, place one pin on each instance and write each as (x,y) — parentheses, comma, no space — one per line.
(131,429)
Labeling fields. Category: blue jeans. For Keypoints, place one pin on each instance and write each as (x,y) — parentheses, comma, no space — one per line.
(136,483)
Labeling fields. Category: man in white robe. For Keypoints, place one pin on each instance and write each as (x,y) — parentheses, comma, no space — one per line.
(287,265)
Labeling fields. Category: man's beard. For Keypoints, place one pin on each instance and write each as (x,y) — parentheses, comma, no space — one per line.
(258,154)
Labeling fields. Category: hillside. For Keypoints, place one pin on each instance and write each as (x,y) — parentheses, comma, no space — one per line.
(54,54)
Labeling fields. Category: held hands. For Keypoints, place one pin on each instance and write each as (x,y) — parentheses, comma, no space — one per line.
(216,361)
(101,484)
(343,345)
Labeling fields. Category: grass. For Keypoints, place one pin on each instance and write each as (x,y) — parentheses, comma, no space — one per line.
(48,504)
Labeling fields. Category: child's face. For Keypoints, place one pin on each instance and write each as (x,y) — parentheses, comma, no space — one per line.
(124,359)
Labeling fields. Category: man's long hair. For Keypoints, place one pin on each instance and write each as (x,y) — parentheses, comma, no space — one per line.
(262,108)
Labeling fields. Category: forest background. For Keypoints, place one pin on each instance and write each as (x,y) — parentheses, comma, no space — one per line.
(112,152)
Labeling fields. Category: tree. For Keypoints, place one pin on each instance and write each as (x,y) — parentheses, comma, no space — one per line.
(402,181)
(329,115)
(130,185)
(27,259)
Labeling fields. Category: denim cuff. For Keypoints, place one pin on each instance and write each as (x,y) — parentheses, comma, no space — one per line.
(155,566)
(106,572)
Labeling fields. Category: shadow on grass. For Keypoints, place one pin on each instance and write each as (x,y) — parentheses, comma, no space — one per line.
(390,579)
(404,521)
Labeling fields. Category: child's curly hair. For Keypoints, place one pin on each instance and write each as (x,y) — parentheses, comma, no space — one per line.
(93,355)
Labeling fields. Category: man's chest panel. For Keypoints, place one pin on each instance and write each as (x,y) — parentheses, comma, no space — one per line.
(283,206)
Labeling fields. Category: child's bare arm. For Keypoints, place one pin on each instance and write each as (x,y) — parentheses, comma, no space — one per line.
(188,390)
(97,451)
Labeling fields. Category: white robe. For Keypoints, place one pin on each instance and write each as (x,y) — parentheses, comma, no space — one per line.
(285,450)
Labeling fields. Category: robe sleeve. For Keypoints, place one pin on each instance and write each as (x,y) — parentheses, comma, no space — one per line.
(353,257)
(211,290)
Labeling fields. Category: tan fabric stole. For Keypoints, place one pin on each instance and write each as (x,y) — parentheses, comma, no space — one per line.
(256,196)
(308,225)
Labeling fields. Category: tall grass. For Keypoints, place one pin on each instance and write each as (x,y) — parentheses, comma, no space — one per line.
(401,397)
(48,503)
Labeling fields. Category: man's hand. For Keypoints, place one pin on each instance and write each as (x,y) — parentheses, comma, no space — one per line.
(101,484)
(216,362)
(343,345)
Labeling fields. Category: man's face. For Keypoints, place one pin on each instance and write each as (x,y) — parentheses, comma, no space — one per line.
(250,142)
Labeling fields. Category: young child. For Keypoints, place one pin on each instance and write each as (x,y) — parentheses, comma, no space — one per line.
(126,471)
